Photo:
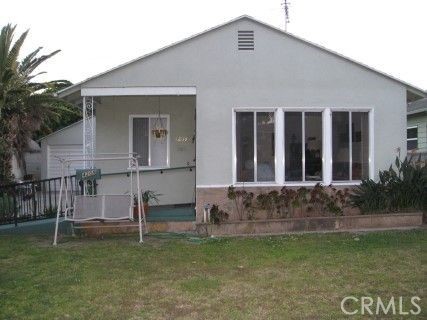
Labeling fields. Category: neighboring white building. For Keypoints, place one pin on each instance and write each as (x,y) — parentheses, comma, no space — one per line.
(32,157)
(65,143)
(248,105)
(417,129)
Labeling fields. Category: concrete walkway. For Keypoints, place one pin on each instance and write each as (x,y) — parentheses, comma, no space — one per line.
(43,226)
(47,226)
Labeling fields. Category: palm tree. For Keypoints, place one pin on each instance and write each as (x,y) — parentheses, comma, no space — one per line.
(24,104)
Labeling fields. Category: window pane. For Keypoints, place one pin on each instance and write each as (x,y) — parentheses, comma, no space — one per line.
(412,133)
(340,146)
(313,146)
(245,146)
(293,146)
(140,140)
(265,146)
(159,146)
(412,144)
(360,145)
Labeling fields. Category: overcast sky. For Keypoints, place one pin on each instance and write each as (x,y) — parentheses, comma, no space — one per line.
(389,35)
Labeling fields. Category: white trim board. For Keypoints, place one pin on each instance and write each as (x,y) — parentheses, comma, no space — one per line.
(275,185)
(139,91)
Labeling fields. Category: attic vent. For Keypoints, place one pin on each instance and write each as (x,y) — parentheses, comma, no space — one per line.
(245,40)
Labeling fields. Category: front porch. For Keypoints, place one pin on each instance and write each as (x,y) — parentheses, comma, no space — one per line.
(125,123)
(171,218)
(167,218)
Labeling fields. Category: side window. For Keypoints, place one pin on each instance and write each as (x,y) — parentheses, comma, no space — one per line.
(412,138)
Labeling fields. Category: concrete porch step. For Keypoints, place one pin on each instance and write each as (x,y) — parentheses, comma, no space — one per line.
(101,228)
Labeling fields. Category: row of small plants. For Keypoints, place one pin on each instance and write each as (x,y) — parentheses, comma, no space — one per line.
(403,188)
(285,203)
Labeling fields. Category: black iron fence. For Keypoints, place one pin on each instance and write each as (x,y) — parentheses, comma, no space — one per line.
(30,200)
(33,200)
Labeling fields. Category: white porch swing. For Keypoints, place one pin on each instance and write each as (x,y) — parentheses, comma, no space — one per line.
(90,206)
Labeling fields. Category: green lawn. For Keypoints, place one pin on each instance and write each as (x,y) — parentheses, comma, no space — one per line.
(288,277)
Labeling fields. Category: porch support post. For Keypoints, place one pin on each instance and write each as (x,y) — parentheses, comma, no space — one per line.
(88,108)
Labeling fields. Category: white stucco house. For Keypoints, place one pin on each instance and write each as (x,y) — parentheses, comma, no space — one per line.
(245,103)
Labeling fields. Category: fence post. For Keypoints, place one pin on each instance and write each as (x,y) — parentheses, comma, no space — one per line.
(33,191)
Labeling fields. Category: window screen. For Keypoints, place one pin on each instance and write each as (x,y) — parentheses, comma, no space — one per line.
(303,146)
(140,139)
(255,153)
(412,138)
(152,151)
(350,146)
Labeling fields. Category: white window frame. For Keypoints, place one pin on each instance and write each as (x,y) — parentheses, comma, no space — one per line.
(151,116)
(411,139)
(303,182)
(326,145)
(234,136)
(370,112)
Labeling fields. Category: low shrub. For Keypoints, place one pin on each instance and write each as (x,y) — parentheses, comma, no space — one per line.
(400,189)
(7,208)
(217,216)
(319,199)
(270,202)
(243,203)
(50,212)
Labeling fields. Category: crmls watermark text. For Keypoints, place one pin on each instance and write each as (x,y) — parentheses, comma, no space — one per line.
(380,306)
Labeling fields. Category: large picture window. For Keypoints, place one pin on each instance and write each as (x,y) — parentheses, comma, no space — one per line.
(255,153)
(303,146)
(314,145)
(152,151)
(350,145)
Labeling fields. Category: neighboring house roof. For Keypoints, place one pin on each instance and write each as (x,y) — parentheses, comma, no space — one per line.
(418,106)
(32,146)
(418,92)
(60,130)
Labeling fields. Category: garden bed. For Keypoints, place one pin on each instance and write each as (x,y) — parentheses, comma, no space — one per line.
(338,223)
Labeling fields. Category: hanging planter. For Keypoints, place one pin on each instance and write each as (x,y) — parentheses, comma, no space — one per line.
(159,131)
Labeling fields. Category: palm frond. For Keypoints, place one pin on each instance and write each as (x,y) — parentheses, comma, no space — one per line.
(31,65)
(12,58)
(6,38)
(30,56)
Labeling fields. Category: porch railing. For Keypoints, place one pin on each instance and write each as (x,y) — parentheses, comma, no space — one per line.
(34,200)
(31,200)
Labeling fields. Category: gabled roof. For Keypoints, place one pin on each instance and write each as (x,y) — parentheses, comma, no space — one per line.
(412,89)
(418,106)
(60,130)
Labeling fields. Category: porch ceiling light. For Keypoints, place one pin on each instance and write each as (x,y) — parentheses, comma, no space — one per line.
(159,131)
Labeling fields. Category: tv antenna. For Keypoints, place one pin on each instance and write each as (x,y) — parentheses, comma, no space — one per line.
(285,5)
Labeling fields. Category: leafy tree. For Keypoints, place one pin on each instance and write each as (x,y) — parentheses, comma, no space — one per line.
(25,105)
(66,115)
